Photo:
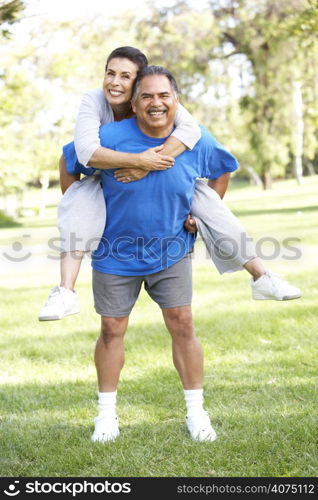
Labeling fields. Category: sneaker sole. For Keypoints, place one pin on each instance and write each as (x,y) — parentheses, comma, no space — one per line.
(55,318)
(209,439)
(286,297)
(101,440)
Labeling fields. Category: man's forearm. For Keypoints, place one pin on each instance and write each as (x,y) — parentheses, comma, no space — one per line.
(220,184)
(66,179)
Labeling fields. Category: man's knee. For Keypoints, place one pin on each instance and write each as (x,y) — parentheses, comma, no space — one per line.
(112,329)
(179,321)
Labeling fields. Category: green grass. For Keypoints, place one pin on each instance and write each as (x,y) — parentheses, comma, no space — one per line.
(260,364)
(7,221)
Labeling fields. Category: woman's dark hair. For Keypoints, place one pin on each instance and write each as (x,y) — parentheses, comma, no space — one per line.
(150,71)
(134,55)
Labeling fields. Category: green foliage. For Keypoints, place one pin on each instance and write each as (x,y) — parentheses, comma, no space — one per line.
(184,41)
(257,43)
(304,24)
(40,88)
(10,11)
(262,34)
(235,64)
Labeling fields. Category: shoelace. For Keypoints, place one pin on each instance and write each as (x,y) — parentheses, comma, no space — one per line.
(204,420)
(53,296)
(274,275)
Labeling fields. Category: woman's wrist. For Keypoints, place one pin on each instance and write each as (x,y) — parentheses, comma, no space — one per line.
(138,162)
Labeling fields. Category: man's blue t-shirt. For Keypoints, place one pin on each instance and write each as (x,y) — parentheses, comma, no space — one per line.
(144,232)
(72,164)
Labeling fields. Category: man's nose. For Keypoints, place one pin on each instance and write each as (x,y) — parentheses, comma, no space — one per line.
(156,101)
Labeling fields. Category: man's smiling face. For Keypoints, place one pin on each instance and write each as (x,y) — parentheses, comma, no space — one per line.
(155,106)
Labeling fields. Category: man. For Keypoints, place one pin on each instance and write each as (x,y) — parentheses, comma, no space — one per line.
(145,242)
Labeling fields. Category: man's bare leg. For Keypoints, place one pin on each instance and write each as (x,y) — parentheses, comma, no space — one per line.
(188,360)
(186,348)
(109,352)
(109,360)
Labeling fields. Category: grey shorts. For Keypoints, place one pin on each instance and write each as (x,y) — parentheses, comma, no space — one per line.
(115,296)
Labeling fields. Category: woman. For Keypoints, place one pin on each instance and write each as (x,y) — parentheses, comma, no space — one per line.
(82,212)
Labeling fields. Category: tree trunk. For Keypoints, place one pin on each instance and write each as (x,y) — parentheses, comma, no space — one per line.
(253,175)
(297,134)
(267,180)
(44,181)
(310,168)
(20,202)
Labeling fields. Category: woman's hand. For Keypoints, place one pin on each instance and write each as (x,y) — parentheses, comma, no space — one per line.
(190,224)
(151,159)
(125,175)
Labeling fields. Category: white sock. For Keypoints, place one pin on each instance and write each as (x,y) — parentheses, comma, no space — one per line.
(194,401)
(107,403)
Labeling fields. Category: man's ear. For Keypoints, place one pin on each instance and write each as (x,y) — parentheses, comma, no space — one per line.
(133,106)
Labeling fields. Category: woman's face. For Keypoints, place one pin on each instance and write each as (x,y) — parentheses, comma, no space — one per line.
(118,80)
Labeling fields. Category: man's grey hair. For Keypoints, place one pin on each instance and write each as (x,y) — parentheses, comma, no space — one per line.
(150,71)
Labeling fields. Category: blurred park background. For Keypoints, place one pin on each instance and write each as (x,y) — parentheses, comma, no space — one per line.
(248,71)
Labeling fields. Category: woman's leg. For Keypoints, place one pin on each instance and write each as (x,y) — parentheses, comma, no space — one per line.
(255,267)
(230,247)
(70,266)
(63,300)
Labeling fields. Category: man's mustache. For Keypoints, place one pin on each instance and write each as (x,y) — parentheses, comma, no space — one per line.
(157,110)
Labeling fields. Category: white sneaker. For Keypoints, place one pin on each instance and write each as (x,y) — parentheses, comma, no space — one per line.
(106,429)
(61,302)
(271,286)
(200,427)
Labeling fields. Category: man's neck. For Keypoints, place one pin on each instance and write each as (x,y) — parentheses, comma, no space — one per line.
(156,133)
(122,111)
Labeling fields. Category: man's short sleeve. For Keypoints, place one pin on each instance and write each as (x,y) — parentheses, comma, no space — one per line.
(72,164)
(216,160)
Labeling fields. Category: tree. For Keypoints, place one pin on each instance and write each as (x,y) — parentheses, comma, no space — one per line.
(236,63)
(10,11)
(240,66)
(183,40)
(40,91)
(259,32)
(303,28)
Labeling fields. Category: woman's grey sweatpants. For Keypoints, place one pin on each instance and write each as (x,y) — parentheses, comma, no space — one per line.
(226,240)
